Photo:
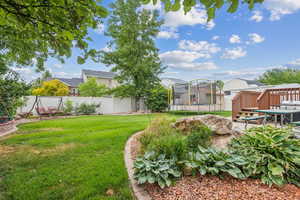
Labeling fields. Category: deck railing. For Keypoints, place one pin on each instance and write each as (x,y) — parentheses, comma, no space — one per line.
(272,98)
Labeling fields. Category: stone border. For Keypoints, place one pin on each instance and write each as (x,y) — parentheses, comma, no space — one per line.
(138,191)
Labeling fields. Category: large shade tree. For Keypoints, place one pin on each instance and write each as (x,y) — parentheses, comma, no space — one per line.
(134,56)
(280,76)
(210,5)
(33,30)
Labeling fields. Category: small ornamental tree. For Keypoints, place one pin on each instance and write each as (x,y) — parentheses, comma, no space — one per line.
(92,89)
(157,99)
(51,88)
(12,89)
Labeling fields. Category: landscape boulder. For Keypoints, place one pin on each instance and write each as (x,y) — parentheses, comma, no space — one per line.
(219,125)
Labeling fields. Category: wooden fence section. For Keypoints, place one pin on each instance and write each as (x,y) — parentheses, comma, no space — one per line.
(244,100)
(272,98)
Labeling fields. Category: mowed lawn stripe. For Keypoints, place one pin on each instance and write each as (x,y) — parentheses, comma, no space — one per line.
(77,158)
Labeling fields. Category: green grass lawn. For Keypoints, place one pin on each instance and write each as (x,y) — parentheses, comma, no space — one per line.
(77,158)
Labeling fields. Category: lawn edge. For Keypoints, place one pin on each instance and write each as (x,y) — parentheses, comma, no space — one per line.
(138,191)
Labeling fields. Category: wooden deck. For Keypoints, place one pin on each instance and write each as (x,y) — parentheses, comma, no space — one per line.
(245,102)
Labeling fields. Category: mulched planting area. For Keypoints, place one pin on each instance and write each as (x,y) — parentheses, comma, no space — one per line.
(213,188)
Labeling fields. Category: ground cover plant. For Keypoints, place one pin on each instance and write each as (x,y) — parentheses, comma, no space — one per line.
(271,154)
(267,153)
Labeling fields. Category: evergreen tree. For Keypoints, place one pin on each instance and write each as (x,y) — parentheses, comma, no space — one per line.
(134,56)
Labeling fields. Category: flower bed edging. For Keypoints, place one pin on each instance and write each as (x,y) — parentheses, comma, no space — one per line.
(138,190)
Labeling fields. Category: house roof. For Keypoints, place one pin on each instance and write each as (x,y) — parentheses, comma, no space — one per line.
(99,74)
(174,80)
(252,82)
(72,82)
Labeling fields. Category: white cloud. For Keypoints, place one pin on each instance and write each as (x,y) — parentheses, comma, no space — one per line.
(255,38)
(106,49)
(178,56)
(235,39)
(186,60)
(100,29)
(279,8)
(65,75)
(194,17)
(257,16)
(216,37)
(295,62)
(194,66)
(199,46)
(234,53)
(168,34)
(58,65)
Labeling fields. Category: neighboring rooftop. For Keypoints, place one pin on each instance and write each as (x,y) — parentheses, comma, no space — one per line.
(72,82)
(252,82)
(99,74)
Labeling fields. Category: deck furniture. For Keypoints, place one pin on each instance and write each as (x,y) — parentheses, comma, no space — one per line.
(254,118)
(281,112)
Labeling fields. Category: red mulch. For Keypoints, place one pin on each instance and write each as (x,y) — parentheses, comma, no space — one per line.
(213,188)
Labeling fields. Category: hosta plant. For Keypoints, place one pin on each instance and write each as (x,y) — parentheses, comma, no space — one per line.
(215,162)
(156,169)
(271,154)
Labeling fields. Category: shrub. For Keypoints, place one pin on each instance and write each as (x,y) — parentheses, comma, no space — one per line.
(87,109)
(158,127)
(271,155)
(173,145)
(199,136)
(157,99)
(68,108)
(156,169)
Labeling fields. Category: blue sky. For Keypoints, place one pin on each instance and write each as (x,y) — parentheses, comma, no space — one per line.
(240,45)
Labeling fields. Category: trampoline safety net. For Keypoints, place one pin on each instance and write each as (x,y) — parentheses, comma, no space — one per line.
(196,95)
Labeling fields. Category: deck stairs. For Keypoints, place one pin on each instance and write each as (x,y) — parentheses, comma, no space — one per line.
(247,112)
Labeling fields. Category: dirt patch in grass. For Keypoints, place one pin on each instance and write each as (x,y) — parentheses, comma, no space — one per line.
(5,150)
(40,130)
(214,188)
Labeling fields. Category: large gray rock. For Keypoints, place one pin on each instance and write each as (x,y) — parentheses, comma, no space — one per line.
(219,125)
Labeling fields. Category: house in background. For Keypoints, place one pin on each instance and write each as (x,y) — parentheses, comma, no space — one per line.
(240,84)
(72,83)
(102,77)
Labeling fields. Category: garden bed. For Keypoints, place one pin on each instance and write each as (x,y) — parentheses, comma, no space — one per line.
(213,188)
(224,173)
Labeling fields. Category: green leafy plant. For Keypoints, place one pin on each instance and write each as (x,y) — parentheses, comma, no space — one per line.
(158,127)
(173,145)
(87,109)
(157,99)
(271,155)
(162,138)
(12,89)
(199,136)
(215,162)
(156,169)
(68,108)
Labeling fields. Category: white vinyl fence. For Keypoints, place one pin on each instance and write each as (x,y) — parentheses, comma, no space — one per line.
(108,105)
